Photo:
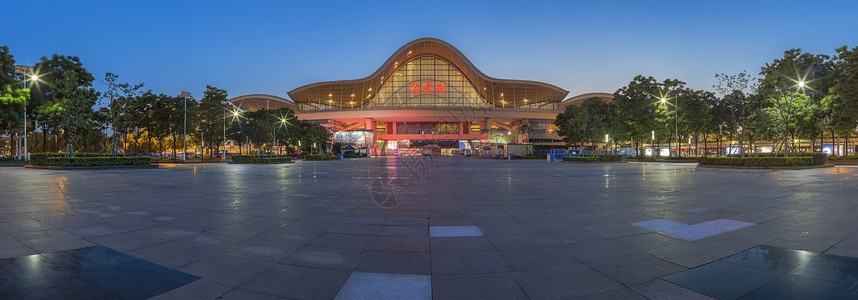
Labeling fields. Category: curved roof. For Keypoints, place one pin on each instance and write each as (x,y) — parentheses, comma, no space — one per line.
(259,101)
(360,91)
(580,98)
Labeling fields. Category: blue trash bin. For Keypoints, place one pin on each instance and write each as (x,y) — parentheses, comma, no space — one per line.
(341,156)
(510,157)
(550,156)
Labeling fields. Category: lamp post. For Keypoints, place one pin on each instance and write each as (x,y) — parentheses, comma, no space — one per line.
(669,148)
(185,96)
(27,153)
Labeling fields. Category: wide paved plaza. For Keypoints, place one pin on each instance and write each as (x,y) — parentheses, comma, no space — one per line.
(429,227)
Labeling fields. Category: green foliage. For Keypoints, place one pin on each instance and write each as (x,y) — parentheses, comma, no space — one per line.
(843,101)
(319,157)
(539,156)
(598,158)
(353,156)
(96,161)
(783,161)
(254,159)
(843,157)
(212,112)
(588,122)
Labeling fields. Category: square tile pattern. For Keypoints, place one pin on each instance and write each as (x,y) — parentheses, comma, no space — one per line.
(86,273)
(766,272)
(454,231)
(386,286)
(692,232)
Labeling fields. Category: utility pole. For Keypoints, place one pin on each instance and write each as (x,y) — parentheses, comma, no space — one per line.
(185,96)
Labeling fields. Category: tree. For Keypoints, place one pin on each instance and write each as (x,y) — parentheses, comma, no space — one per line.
(636,114)
(588,122)
(843,100)
(13,96)
(118,96)
(212,111)
(788,115)
(259,128)
(801,72)
(72,106)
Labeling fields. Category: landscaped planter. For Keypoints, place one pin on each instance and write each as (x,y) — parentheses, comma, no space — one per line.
(319,157)
(592,159)
(249,159)
(766,162)
(87,161)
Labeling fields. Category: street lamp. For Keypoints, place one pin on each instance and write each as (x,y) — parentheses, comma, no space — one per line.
(185,96)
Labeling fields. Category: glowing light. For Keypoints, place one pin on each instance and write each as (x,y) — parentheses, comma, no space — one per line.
(663,100)
(34,77)
(235,114)
(329,95)
(801,83)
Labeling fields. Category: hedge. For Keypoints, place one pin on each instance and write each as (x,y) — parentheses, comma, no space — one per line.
(353,156)
(38,159)
(95,161)
(783,161)
(843,157)
(254,159)
(541,156)
(598,158)
(318,157)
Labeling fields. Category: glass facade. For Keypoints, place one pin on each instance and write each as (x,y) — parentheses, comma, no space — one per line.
(427,81)
(427,128)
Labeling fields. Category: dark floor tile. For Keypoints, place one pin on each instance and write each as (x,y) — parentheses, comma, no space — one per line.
(517,241)
(464,243)
(835,268)
(797,287)
(771,258)
(565,282)
(723,280)
(325,258)
(403,230)
(471,262)
(298,282)
(394,262)
(478,286)
(122,275)
(536,258)
(345,241)
(634,269)
(398,243)
(65,287)
(359,229)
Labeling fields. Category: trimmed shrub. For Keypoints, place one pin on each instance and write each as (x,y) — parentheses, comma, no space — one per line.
(782,161)
(254,159)
(598,158)
(95,161)
(318,157)
(538,156)
(353,156)
(843,157)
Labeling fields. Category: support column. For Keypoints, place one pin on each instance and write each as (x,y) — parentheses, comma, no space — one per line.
(370,125)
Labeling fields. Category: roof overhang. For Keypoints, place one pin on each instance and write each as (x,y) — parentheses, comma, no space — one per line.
(254,102)
(499,92)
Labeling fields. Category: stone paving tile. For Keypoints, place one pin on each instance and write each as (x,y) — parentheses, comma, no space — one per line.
(536,258)
(256,216)
(325,258)
(477,286)
(227,270)
(398,243)
(564,282)
(394,262)
(621,294)
(386,286)
(661,289)
(471,262)
(454,231)
(198,289)
(465,243)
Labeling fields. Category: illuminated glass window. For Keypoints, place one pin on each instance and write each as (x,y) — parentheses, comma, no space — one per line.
(428,81)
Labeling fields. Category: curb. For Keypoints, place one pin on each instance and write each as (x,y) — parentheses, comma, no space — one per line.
(91,167)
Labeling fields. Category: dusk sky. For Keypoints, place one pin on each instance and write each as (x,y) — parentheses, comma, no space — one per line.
(272,47)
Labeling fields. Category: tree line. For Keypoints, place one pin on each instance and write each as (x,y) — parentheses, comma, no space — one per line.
(801,96)
(58,96)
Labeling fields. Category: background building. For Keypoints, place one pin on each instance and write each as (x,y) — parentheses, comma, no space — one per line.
(428,93)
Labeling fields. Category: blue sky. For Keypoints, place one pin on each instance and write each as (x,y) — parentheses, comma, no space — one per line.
(275,46)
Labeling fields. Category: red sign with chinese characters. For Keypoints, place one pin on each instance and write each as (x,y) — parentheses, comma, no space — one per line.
(427,88)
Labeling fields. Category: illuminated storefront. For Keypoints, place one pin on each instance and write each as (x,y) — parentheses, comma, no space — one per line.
(426,94)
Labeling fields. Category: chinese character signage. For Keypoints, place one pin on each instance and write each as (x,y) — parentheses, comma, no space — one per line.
(427,88)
